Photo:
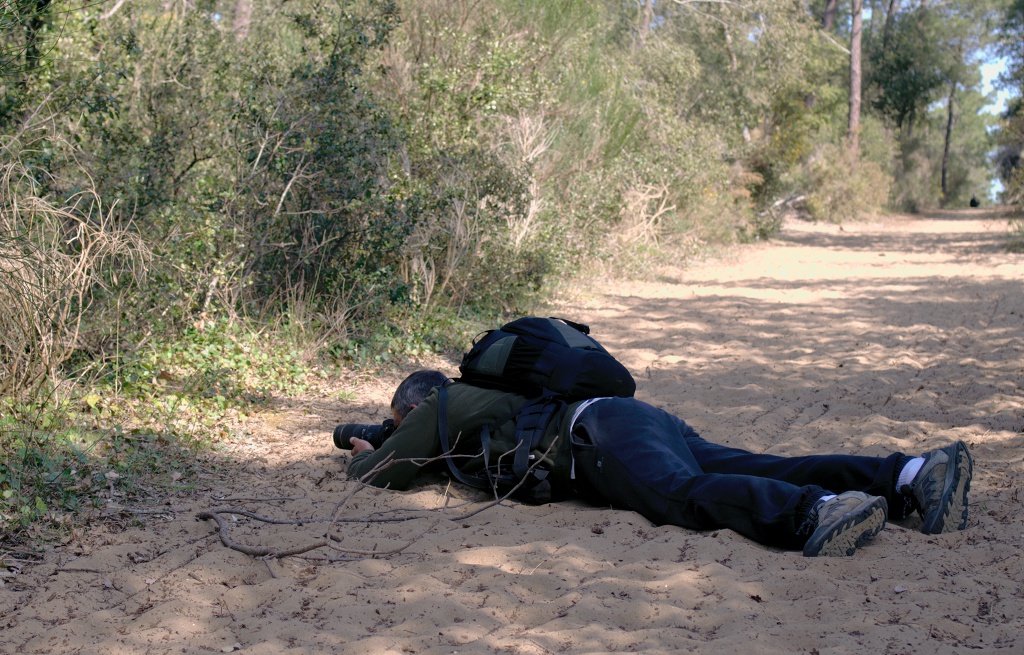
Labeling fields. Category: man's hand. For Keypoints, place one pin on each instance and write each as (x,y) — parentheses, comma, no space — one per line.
(359,445)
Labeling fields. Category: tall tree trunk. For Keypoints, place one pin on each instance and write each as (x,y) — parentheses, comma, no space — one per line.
(945,150)
(828,19)
(855,75)
(33,26)
(890,16)
(243,16)
(646,20)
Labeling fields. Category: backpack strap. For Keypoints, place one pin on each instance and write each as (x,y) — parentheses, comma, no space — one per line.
(442,428)
(531,421)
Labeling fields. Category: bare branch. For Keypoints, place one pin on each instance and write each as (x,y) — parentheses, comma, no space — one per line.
(329,541)
(714,2)
(113,10)
(265,519)
(251,550)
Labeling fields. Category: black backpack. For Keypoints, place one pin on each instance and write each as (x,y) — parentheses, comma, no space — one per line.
(551,362)
(545,356)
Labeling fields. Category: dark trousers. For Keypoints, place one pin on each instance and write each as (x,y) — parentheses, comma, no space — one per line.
(634,456)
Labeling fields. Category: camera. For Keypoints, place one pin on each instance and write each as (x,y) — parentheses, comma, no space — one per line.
(375,434)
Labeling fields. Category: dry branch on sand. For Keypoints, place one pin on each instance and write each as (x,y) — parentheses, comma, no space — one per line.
(330,541)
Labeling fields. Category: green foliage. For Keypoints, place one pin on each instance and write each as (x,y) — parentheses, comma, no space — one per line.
(908,67)
(469,106)
(970,170)
(409,335)
(1010,138)
(918,167)
(1010,135)
(930,53)
(248,169)
(224,361)
(25,35)
(36,473)
(844,186)
(313,210)
(1013,178)
(465,247)
(1016,241)
(140,423)
(54,467)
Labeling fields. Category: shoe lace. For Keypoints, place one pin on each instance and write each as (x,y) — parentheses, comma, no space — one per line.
(810,523)
(910,502)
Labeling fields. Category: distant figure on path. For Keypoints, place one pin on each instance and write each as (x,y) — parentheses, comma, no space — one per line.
(974,201)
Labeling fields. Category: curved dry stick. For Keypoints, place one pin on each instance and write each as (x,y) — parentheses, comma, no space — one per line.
(250,550)
(378,517)
(225,538)
(240,499)
(369,518)
(375,553)
(264,519)
(222,526)
(499,500)
(363,482)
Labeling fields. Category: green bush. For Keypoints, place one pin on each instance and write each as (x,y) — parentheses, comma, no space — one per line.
(1014,191)
(844,186)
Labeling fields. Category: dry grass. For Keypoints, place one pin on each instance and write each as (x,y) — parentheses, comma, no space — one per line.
(52,259)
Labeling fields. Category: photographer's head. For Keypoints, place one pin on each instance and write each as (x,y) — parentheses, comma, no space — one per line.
(413,390)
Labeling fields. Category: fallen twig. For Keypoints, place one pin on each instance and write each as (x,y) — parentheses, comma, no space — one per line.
(252,550)
(242,499)
(264,519)
(330,541)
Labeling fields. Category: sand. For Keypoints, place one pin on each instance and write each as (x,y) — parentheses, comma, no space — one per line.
(898,333)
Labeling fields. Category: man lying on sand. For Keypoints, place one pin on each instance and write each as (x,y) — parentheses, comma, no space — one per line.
(628,454)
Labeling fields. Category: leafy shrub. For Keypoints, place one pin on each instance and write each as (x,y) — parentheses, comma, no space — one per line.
(53,466)
(843,186)
(1016,220)
(1016,242)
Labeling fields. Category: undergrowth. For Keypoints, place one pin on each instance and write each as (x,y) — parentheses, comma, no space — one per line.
(1015,241)
(64,459)
(144,424)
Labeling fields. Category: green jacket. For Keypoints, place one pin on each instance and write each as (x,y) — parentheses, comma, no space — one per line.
(469,409)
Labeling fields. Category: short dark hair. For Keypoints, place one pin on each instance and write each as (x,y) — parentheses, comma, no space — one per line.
(415,388)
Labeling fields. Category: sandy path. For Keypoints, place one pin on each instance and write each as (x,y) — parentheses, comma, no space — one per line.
(897,334)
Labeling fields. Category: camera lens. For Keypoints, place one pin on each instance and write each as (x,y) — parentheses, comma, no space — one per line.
(342,439)
(375,434)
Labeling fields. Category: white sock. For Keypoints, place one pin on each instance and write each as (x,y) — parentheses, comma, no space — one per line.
(909,472)
(825,499)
